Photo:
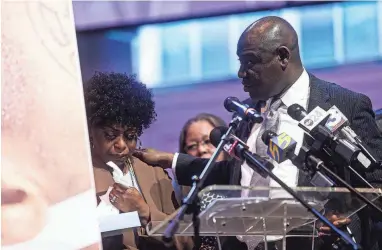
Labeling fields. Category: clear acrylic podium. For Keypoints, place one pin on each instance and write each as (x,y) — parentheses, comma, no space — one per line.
(267,214)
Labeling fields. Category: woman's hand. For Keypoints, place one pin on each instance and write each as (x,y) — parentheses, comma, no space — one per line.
(129,200)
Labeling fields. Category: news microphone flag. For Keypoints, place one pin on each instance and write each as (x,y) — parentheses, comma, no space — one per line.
(280,147)
(313,119)
(336,119)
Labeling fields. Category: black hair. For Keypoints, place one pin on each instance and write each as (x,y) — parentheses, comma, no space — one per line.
(118,98)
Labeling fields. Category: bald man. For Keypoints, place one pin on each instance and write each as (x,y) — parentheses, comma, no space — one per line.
(272,73)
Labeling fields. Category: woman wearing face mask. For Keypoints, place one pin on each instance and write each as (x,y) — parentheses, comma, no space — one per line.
(118,109)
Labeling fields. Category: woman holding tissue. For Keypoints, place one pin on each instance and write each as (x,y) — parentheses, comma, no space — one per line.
(119,108)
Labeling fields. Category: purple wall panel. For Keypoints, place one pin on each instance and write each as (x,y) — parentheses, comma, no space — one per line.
(176,106)
(99,14)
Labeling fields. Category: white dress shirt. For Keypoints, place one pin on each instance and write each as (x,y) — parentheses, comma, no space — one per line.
(286,171)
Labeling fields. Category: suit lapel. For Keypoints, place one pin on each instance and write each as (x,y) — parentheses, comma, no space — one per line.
(318,96)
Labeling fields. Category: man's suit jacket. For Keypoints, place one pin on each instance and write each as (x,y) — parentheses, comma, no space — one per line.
(378,117)
(356,107)
(158,193)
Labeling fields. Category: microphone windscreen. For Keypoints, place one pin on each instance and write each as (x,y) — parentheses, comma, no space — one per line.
(267,136)
(296,112)
(228,103)
(216,135)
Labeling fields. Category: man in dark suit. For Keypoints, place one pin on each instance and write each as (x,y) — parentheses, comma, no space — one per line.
(378,117)
(272,73)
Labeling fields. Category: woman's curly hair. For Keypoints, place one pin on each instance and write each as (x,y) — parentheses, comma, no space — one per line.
(116,98)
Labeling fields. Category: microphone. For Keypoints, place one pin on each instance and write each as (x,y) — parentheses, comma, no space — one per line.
(338,124)
(232,146)
(216,134)
(191,203)
(230,142)
(215,138)
(313,163)
(232,104)
(308,121)
(337,120)
(264,166)
(297,112)
(324,140)
(282,147)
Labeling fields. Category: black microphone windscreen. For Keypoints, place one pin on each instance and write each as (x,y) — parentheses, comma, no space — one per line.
(267,136)
(228,103)
(216,135)
(296,112)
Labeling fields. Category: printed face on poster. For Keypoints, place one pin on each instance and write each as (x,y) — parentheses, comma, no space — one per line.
(47,181)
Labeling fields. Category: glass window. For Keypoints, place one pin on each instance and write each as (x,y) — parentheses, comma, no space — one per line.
(214,34)
(317,35)
(360,31)
(248,18)
(190,51)
(175,52)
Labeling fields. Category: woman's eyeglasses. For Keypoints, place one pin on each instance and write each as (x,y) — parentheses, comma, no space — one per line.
(194,146)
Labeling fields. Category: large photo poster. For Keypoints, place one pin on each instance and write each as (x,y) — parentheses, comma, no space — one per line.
(47,188)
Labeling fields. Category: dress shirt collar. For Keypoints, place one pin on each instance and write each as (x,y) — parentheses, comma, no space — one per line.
(298,92)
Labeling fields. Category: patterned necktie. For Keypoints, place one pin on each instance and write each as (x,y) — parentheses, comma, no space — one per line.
(271,122)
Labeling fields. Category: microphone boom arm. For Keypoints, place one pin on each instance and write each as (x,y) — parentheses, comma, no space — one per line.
(252,160)
(320,166)
(191,203)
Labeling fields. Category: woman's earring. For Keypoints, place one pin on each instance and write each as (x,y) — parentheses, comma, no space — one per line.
(139,143)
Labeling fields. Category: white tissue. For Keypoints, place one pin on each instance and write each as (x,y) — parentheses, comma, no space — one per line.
(119,177)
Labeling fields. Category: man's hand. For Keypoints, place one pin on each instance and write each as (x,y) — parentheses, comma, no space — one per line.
(331,240)
(154,158)
(337,221)
(129,200)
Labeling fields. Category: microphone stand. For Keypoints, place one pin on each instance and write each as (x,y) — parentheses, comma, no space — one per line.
(318,165)
(191,202)
(256,162)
